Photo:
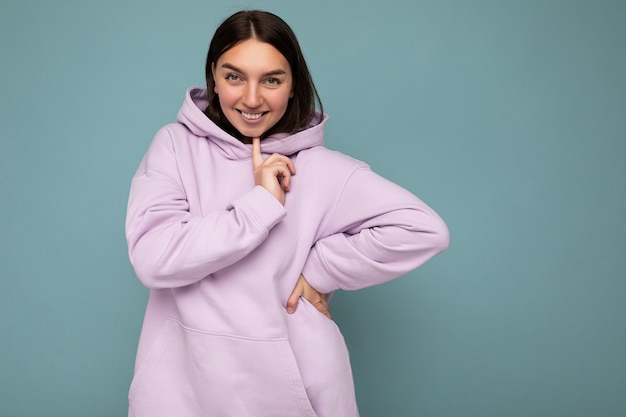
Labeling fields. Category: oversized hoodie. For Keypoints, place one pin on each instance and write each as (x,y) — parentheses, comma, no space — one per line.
(221,256)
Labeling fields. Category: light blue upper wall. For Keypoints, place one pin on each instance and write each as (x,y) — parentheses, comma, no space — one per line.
(508,117)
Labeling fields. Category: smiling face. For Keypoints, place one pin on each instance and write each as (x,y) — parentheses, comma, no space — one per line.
(254,83)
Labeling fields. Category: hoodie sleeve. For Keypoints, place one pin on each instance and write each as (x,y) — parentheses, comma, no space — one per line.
(383,232)
(168,246)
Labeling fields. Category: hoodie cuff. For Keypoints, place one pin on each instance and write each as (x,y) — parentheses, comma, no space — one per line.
(317,274)
(261,206)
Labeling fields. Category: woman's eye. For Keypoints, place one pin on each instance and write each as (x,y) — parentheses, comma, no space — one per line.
(273,81)
(232,77)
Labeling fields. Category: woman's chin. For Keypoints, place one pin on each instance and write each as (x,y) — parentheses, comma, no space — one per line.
(251,132)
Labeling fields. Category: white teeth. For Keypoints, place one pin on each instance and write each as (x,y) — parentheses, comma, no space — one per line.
(251,116)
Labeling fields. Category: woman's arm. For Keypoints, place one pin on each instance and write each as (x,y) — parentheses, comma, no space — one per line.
(383,232)
(168,246)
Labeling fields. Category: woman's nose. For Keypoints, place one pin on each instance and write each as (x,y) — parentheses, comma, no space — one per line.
(252,96)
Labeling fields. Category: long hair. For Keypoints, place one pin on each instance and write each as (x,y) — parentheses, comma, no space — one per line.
(269,28)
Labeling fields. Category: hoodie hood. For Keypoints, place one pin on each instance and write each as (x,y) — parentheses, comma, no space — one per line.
(191,114)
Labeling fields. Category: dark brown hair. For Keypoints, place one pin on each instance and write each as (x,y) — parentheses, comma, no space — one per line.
(269,28)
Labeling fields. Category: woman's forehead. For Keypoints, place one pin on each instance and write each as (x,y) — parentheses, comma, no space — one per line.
(255,56)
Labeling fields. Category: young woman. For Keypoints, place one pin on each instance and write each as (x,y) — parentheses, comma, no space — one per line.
(241,223)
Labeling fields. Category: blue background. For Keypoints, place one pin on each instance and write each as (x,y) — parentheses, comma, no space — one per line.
(508,117)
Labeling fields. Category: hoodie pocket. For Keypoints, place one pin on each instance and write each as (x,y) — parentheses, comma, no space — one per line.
(195,373)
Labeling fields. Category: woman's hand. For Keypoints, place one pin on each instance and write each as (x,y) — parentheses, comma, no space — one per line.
(304,289)
(273,173)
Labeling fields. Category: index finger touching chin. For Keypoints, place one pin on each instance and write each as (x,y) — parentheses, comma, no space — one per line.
(257,159)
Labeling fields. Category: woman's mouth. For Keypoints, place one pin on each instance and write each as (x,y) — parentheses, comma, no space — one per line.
(251,116)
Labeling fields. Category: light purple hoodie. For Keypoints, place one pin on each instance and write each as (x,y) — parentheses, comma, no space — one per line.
(221,257)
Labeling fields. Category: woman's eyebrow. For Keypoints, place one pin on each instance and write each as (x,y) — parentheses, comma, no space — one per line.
(234,68)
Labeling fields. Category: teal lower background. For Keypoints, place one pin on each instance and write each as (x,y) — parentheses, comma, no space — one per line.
(508,117)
